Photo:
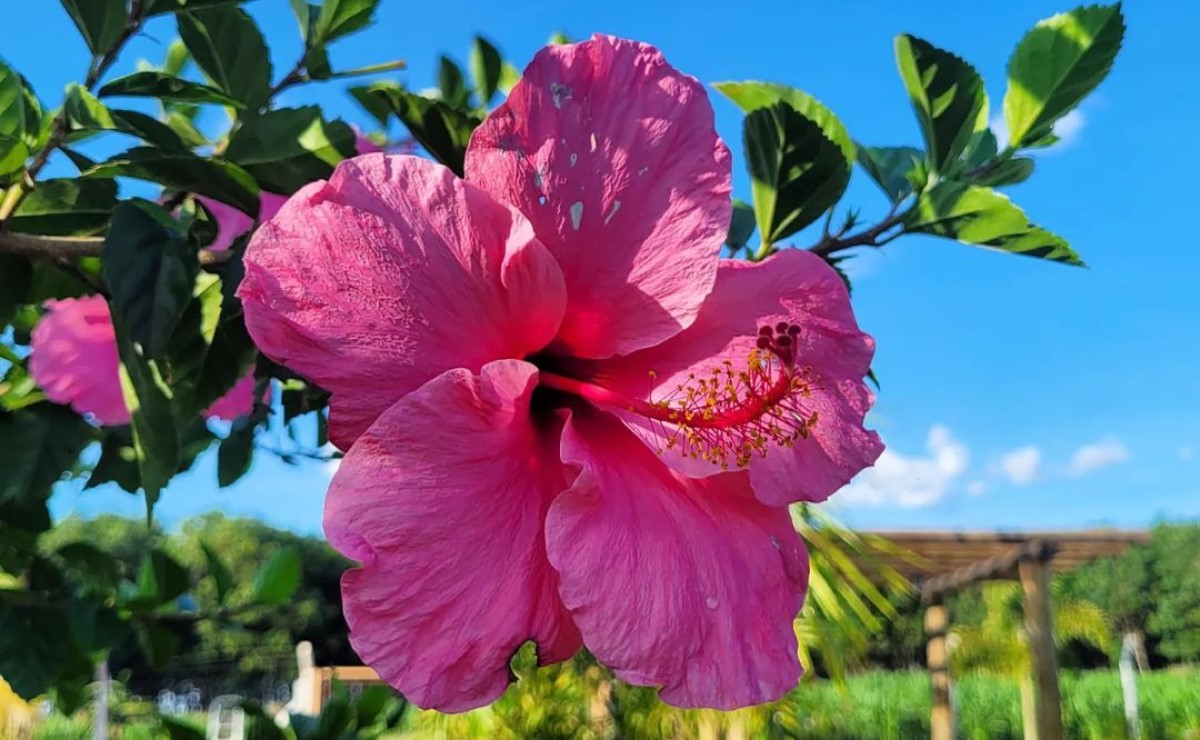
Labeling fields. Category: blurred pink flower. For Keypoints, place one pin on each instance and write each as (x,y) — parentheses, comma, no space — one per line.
(74,361)
(567,420)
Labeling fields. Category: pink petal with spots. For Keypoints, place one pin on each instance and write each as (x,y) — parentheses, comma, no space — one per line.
(611,154)
(793,286)
(75,361)
(389,274)
(443,501)
(688,584)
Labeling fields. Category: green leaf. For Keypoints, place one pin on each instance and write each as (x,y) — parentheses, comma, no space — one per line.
(150,272)
(185,129)
(159,644)
(235,453)
(452,84)
(33,652)
(230,50)
(279,577)
(509,77)
(375,105)
(177,58)
(1057,65)
(891,167)
(222,578)
(13,120)
(741,226)
(750,96)
(1008,172)
(340,18)
(162,7)
(486,66)
(16,273)
(84,111)
(152,131)
(163,86)
(288,148)
(218,179)
(797,173)
(41,443)
(983,217)
(947,95)
(100,22)
(443,131)
(87,114)
(177,729)
(91,563)
(161,579)
(64,207)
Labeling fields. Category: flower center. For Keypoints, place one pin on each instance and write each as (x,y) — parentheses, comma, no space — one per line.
(729,414)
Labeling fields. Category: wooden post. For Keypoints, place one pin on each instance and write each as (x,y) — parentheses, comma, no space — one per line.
(1046,710)
(941,719)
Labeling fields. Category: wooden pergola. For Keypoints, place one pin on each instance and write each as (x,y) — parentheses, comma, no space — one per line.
(945,562)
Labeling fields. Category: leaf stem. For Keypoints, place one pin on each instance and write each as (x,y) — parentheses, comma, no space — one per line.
(872,237)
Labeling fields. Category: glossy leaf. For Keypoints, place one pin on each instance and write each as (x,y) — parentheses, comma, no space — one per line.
(1009,172)
(486,67)
(278,578)
(440,129)
(13,119)
(218,179)
(797,173)
(753,95)
(891,167)
(288,148)
(452,84)
(1056,65)
(161,7)
(236,453)
(100,22)
(983,217)
(64,207)
(230,49)
(150,84)
(339,18)
(741,226)
(40,444)
(947,95)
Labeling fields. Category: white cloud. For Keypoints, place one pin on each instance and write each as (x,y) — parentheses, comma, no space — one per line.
(1022,465)
(1068,128)
(1098,455)
(910,482)
(977,488)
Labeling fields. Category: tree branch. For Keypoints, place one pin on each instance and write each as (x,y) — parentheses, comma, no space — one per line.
(76,247)
(872,237)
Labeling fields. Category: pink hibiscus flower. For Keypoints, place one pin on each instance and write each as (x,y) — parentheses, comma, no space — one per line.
(75,362)
(567,420)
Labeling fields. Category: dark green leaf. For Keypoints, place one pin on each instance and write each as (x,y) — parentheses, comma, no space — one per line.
(374,104)
(13,120)
(750,96)
(230,49)
(159,644)
(486,66)
(100,22)
(118,461)
(1008,172)
(443,131)
(220,180)
(371,704)
(235,453)
(452,84)
(84,111)
(1056,66)
(161,7)
(222,578)
(161,579)
(91,563)
(340,18)
(152,131)
(741,226)
(337,718)
(40,443)
(33,652)
(891,167)
(150,271)
(983,217)
(288,148)
(797,173)
(259,726)
(278,578)
(150,84)
(947,95)
(16,273)
(65,207)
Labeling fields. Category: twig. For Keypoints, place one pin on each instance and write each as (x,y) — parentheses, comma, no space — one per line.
(76,247)
(295,77)
(872,237)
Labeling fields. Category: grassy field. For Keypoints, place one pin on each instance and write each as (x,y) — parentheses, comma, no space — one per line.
(874,706)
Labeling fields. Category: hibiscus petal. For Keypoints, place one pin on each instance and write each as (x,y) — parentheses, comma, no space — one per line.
(611,154)
(237,402)
(75,361)
(389,274)
(793,286)
(688,584)
(231,222)
(443,500)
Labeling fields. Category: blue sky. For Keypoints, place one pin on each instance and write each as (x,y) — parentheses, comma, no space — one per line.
(1015,394)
